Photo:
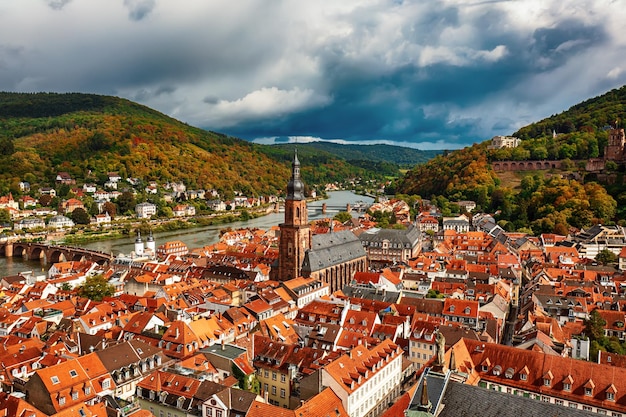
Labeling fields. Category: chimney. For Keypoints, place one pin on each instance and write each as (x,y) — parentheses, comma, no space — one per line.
(223,347)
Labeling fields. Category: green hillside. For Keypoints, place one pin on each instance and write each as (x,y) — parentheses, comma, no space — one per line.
(357,154)
(90,135)
(543,200)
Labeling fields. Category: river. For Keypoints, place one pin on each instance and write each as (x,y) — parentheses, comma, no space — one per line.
(199,236)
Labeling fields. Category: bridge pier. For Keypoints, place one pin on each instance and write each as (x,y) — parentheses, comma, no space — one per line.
(8,250)
(348,208)
(323,208)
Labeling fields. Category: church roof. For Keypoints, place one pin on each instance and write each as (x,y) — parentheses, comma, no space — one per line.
(408,238)
(331,249)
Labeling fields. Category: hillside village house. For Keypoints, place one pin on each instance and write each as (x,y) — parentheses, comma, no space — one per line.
(60,222)
(71,204)
(145,210)
(29,224)
(65,178)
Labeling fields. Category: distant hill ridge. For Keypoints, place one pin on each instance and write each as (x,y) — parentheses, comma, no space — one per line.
(88,135)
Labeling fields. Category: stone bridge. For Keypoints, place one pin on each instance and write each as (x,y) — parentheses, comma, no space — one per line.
(52,253)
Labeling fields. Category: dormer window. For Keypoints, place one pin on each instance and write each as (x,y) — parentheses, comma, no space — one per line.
(610,393)
(589,386)
(567,386)
(547,379)
(451,309)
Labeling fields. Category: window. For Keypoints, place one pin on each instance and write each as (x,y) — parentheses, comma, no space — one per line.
(273,376)
(283,378)
(573,405)
(75,395)
(588,392)
(87,390)
(73,373)
(566,386)
(273,389)
(523,377)
(218,413)
(55,379)
(610,396)
(282,393)
(267,373)
(546,382)
(61,400)
(106,384)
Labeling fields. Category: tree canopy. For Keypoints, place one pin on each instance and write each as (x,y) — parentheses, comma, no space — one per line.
(96,288)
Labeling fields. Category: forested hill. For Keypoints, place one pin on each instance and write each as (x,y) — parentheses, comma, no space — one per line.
(90,135)
(591,115)
(398,155)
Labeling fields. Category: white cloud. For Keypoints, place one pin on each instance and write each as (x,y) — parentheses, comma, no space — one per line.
(263,103)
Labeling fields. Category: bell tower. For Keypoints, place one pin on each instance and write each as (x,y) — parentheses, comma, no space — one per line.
(295,233)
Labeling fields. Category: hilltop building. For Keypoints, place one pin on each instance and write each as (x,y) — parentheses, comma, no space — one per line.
(498,142)
(615,148)
(330,257)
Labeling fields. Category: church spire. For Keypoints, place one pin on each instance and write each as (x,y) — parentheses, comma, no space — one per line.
(425,404)
(295,187)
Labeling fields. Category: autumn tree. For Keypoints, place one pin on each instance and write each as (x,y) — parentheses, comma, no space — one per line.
(45,200)
(96,288)
(80,216)
(126,202)
(110,208)
(606,257)
(343,216)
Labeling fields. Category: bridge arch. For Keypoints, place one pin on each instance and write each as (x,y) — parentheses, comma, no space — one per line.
(20,250)
(36,252)
(56,256)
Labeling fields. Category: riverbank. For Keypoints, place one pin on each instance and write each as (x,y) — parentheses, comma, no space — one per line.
(130,228)
(196,236)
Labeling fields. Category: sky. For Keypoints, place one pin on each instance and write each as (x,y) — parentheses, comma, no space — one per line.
(426,74)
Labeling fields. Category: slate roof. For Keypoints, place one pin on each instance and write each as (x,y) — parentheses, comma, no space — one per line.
(408,238)
(472,401)
(332,249)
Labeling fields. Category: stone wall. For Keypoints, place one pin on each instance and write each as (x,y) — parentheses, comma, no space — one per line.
(525,165)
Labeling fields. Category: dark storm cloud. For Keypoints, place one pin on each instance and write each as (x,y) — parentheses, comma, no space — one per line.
(437,72)
(397,115)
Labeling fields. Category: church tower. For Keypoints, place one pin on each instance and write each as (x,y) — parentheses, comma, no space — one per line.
(295,233)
